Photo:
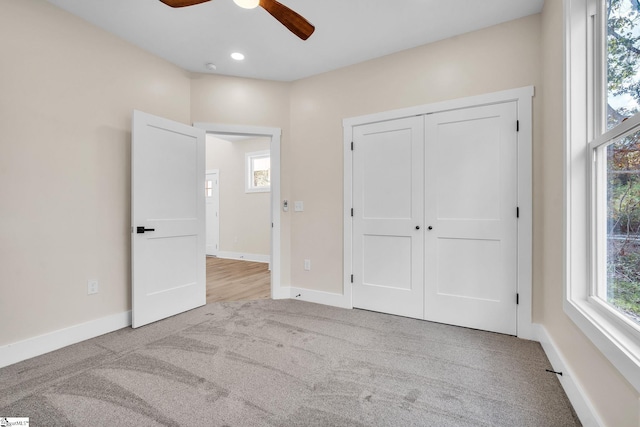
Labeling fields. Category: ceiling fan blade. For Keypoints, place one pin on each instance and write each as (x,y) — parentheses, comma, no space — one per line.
(183,3)
(290,19)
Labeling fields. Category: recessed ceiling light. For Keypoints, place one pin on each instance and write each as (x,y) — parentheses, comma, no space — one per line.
(211,66)
(237,56)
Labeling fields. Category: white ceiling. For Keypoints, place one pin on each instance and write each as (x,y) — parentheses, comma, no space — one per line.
(347,31)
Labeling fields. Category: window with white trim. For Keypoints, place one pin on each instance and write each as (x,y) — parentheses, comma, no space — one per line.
(258,171)
(603,177)
(616,176)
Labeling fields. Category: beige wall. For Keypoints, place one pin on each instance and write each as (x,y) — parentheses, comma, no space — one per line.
(502,57)
(612,396)
(67,90)
(245,218)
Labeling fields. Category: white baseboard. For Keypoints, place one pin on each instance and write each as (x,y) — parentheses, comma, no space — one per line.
(32,347)
(319,297)
(581,403)
(244,257)
(281,292)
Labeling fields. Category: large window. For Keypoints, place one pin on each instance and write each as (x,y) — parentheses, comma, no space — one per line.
(618,187)
(603,177)
(617,159)
(620,45)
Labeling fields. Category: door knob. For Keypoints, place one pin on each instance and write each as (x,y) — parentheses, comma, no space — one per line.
(417,227)
(430,228)
(141,230)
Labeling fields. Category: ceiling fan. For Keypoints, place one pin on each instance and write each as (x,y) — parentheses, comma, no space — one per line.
(287,17)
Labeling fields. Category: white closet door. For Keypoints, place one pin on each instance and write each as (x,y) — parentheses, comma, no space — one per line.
(470,216)
(388,204)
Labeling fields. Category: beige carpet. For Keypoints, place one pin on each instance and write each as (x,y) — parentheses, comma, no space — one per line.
(289,363)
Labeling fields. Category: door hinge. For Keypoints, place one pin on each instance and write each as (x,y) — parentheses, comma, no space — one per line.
(518,212)
(351,211)
(351,145)
(517,125)
(517,299)
(352,278)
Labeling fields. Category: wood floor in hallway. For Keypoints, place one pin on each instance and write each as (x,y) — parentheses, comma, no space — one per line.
(231,280)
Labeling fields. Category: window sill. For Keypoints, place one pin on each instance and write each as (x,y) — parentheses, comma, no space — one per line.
(619,346)
(257,190)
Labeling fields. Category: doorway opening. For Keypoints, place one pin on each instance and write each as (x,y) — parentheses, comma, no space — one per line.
(243,248)
(238,219)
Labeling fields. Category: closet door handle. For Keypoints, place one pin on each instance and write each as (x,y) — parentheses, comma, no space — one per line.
(141,230)
(430,227)
(417,227)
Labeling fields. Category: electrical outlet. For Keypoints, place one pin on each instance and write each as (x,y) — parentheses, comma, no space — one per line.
(298,206)
(307,264)
(92,287)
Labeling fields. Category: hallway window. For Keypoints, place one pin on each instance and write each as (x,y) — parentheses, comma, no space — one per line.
(258,171)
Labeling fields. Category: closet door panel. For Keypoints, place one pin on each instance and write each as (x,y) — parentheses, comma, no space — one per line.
(388,182)
(471,193)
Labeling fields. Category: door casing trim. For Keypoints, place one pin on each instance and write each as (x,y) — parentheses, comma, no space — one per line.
(217,196)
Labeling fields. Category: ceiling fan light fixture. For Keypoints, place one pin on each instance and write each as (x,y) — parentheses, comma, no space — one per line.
(294,22)
(247,4)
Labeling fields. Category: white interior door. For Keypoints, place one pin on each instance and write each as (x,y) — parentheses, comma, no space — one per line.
(212,212)
(387,219)
(470,215)
(168,218)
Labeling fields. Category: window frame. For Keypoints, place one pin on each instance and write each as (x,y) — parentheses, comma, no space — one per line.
(612,333)
(249,159)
